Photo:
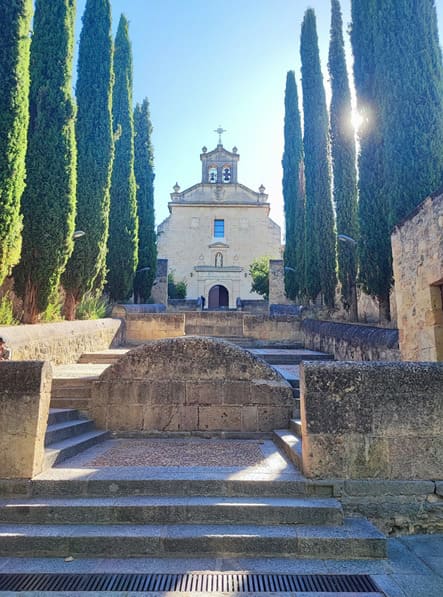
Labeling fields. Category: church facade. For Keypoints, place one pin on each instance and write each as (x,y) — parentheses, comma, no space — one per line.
(215,230)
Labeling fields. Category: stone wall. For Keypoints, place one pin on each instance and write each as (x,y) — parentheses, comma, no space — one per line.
(159,292)
(351,342)
(372,420)
(277,294)
(141,327)
(191,385)
(25,390)
(62,342)
(417,248)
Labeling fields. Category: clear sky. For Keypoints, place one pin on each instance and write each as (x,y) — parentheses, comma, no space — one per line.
(202,64)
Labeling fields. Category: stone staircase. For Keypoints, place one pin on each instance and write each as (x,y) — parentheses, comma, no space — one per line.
(67,434)
(183,517)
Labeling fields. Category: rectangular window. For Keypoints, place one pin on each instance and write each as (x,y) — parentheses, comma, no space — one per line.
(219,228)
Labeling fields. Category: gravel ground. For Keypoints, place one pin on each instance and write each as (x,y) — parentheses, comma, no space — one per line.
(182,452)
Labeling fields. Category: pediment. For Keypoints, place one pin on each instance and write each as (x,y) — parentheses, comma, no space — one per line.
(218,245)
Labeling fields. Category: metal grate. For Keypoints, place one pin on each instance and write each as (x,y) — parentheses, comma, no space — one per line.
(197,583)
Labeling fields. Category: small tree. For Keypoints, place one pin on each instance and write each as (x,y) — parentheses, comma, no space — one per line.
(259,272)
(15,18)
(176,290)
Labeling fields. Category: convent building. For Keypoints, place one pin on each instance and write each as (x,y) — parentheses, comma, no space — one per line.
(215,230)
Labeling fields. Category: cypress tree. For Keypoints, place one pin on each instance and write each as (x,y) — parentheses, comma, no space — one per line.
(94,152)
(123,222)
(15,18)
(412,103)
(320,256)
(343,160)
(375,261)
(48,202)
(293,193)
(144,176)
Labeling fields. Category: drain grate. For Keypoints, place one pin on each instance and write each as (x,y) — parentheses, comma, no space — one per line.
(197,583)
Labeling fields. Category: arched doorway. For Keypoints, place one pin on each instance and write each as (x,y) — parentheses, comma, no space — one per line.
(218,297)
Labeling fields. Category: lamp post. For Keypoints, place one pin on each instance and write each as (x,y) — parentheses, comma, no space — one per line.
(352,244)
(78,234)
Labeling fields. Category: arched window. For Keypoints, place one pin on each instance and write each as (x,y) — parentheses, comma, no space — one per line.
(226,174)
(212,174)
(218,260)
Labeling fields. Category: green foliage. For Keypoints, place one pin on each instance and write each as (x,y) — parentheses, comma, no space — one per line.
(7,311)
(144,176)
(123,221)
(48,202)
(411,103)
(293,193)
(53,311)
(15,19)
(320,256)
(176,290)
(375,259)
(343,156)
(95,150)
(259,272)
(92,306)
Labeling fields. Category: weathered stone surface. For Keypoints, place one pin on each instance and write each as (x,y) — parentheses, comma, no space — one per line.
(61,342)
(351,342)
(25,390)
(277,282)
(191,384)
(417,249)
(372,420)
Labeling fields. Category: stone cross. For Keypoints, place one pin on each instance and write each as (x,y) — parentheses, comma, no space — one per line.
(219,131)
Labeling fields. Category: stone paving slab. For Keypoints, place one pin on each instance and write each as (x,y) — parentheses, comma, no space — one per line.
(78,370)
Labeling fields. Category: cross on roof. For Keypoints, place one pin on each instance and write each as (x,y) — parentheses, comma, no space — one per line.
(220,131)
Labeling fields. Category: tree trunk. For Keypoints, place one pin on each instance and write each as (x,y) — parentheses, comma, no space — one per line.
(69,306)
(384,308)
(30,311)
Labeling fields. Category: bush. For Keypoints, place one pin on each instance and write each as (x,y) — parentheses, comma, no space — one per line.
(7,311)
(92,307)
(176,290)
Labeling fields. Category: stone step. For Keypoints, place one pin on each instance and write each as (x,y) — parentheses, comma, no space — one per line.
(58,432)
(355,539)
(172,510)
(57,483)
(68,391)
(290,444)
(67,448)
(102,356)
(80,404)
(59,415)
(295,426)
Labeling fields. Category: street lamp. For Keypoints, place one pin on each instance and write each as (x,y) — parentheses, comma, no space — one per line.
(352,243)
(290,269)
(78,234)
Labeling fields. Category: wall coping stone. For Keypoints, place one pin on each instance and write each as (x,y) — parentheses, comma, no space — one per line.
(355,334)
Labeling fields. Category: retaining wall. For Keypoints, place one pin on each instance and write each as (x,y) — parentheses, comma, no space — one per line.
(351,342)
(372,420)
(61,342)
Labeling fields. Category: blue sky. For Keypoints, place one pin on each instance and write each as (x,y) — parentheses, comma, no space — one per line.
(202,64)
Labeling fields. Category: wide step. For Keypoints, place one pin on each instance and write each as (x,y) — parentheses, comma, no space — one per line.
(356,538)
(172,510)
(103,356)
(278,356)
(67,448)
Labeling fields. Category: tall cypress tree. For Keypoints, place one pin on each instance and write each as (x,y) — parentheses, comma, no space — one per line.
(375,258)
(144,176)
(123,221)
(94,152)
(412,103)
(15,18)
(293,193)
(343,160)
(48,202)
(320,235)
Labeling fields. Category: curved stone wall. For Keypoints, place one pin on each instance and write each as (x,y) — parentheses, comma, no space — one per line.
(191,384)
